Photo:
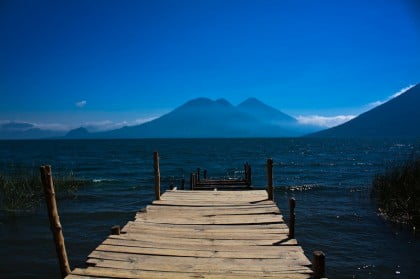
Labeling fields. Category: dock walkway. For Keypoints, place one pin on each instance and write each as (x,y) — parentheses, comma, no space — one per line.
(201,234)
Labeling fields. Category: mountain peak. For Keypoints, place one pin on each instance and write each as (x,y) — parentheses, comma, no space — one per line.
(204,102)
(80,132)
(223,102)
(251,101)
(259,109)
(398,117)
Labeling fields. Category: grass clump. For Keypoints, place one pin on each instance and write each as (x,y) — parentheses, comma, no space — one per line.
(397,193)
(22,191)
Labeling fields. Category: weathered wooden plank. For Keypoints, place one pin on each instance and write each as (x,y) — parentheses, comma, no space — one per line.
(180,208)
(73,276)
(180,264)
(209,212)
(252,228)
(200,246)
(288,254)
(211,235)
(208,203)
(248,192)
(186,230)
(212,220)
(186,240)
(140,274)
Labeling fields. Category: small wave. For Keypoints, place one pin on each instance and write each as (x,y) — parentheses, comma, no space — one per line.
(304,187)
(99,180)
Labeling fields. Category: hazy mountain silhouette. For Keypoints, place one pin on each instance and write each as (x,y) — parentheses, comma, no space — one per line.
(399,117)
(197,118)
(79,133)
(23,130)
(263,112)
(203,117)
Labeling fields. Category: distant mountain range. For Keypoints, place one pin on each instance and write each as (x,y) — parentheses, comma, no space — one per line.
(22,130)
(205,118)
(399,117)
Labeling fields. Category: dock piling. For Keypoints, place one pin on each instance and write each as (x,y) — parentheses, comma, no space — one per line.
(183,184)
(115,230)
(205,174)
(192,181)
(198,175)
(157,174)
(318,264)
(55,225)
(270,188)
(292,205)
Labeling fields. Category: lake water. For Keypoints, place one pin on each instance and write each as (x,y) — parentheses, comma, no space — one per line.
(330,180)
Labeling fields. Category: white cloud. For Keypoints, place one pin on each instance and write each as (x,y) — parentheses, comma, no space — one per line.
(324,121)
(403,90)
(145,119)
(105,125)
(396,94)
(52,126)
(81,104)
(375,104)
(92,126)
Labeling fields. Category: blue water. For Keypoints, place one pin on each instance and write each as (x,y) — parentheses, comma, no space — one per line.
(330,180)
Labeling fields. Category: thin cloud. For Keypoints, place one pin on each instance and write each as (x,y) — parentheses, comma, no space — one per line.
(81,104)
(324,121)
(105,125)
(396,94)
(52,126)
(375,104)
(145,119)
(402,91)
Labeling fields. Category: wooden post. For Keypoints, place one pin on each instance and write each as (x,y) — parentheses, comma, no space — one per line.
(205,174)
(292,205)
(198,175)
(318,264)
(192,181)
(116,230)
(157,174)
(183,184)
(248,174)
(55,225)
(270,188)
(246,171)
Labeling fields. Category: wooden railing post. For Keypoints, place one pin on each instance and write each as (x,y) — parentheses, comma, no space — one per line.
(183,184)
(55,225)
(248,174)
(205,174)
(192,181)
(246,171)
(198,174)
(270,188)
(292,205)
(157,174)
(318,264)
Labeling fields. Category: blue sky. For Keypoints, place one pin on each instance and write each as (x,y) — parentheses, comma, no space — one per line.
(109,63)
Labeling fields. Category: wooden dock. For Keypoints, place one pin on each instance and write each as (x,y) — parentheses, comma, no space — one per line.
(199,234)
